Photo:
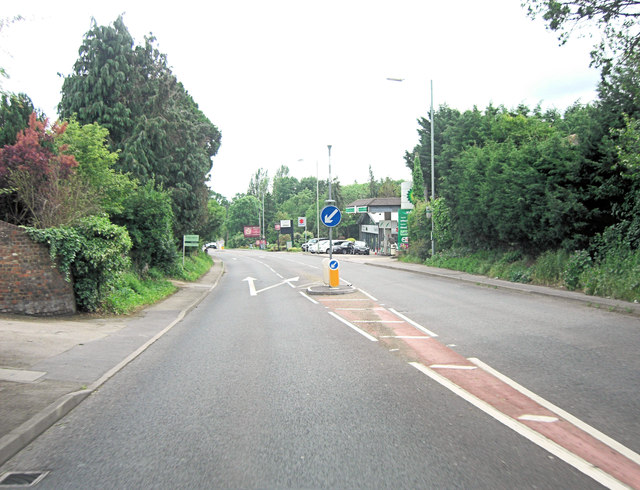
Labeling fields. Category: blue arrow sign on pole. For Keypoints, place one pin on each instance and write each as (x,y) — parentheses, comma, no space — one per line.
(333,265)
(330,216)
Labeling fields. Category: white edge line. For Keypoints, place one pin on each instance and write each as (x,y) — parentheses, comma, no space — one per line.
(595,433)
(547,444)
(367,294)
(309,297)
(417,325)
(351,325)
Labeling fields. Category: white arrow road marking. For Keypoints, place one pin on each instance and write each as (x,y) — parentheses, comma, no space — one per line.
(252,286)
(329,219)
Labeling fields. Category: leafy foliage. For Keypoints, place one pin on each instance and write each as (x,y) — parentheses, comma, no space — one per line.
(418,190)
(94,253)
(617,21)
(148,216)
(15,111)
(96,165)
(156,125)
(39,175)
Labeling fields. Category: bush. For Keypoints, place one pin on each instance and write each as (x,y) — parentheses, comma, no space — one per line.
(616,275)
(93,253)
(148,217)
(550,268)
(578,262)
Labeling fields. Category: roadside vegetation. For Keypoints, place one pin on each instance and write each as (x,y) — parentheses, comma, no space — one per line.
(102,187)
(523,194)
(539,196)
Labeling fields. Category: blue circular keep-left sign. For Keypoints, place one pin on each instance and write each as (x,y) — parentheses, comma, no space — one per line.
(330,216)
(334,264)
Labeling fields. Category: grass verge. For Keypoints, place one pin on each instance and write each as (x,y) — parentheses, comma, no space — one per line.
(615,275)
(133,292)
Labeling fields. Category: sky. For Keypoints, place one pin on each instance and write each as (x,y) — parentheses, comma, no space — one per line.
(283,79)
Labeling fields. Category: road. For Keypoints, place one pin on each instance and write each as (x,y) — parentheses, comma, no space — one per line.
(262,386)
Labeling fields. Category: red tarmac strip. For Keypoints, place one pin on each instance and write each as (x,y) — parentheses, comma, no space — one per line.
(391,329)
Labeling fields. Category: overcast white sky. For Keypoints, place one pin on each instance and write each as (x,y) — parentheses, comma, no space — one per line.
(282,79)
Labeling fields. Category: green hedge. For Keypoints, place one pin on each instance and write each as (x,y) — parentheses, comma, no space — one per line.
(94,253)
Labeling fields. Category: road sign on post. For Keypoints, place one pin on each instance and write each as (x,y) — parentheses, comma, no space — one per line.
(189,241)
(330,216)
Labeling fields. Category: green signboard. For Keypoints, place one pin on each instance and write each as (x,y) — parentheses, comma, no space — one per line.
(350,210)
(403,229)
(362,209)
(191,240)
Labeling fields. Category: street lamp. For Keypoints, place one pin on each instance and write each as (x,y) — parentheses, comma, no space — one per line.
(433,180)
(330,201)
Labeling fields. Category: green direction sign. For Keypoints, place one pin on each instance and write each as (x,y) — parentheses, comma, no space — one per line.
(403,228)
(350,210)
(362,209)
(191,240)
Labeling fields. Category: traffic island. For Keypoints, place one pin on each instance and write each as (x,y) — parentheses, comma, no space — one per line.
(328,290)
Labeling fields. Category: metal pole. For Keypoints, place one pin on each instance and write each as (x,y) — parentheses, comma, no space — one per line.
(330,201)
(317,200)
(433,180)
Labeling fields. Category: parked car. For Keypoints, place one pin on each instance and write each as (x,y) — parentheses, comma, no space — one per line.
(207,246)
(323,247)
(306,247)
(360,248)
(345,247)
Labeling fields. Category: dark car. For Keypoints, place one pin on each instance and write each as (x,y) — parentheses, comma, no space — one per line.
(360,248)
(345,247)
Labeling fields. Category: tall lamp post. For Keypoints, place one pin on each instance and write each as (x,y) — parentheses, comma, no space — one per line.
(330,201)
(433,179)
(433,176)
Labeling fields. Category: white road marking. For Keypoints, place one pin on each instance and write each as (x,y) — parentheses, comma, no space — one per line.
(286,281)
(252,286)
(309,298)
(404,337)
(452,366)
(351,325)
(410,321)
(595,433)
(568,457)
(367,294)
(538,418)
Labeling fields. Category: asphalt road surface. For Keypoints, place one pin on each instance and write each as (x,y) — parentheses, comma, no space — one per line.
(262,386)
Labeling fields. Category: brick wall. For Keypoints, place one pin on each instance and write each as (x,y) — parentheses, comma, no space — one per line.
(29,282)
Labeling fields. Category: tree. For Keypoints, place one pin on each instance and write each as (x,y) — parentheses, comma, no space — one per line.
(38,175)
(152,120)
(148,217)
(243,211)
(214,227)
(15,111)
(259,183)
(373,185)
(617,21)
(88,144)
(284,186)
(389,188)
(418,192)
